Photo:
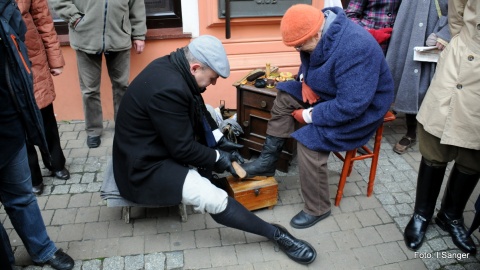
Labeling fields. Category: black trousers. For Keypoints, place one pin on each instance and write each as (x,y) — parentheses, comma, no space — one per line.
(56,160)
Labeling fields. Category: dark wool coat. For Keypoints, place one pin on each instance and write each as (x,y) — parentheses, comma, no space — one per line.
(348,71)
(154,140)
(18,83)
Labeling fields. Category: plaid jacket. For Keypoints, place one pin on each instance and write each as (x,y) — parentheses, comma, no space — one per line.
(373,14)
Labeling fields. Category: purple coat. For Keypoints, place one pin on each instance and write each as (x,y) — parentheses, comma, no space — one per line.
(348,71)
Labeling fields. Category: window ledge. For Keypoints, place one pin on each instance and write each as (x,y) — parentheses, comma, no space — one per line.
(152,34)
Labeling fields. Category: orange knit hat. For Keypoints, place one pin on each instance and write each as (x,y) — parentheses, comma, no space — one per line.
(300,23)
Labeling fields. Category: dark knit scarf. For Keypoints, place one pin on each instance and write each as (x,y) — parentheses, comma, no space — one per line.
(202,127)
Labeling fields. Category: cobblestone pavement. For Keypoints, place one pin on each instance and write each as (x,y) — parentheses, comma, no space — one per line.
(362,233)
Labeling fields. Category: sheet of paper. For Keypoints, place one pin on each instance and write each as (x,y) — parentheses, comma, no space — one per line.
(426,54)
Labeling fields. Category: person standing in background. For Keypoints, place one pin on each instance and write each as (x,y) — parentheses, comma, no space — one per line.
(419,23)
(448,130)
(378,17)
(97,29)
(20,120)
(47,60)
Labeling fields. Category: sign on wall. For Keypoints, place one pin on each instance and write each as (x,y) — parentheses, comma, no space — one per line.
(257,8)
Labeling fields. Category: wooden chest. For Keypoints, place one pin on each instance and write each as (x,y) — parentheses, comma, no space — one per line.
(253,112)
(254,194)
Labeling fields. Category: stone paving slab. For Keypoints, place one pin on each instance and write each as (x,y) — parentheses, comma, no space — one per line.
(362,233)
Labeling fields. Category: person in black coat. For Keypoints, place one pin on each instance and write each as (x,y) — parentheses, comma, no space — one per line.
(20,120)
(166,144)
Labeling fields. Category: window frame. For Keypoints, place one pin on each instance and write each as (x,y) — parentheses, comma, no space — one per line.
(169,19)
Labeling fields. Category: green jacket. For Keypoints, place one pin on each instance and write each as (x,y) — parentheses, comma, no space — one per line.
(105,25)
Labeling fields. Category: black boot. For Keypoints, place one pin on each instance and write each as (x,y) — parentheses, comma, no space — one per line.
(266,163)
(429,182)
(450,217)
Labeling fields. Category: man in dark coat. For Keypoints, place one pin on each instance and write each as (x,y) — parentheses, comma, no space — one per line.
(20,120)
(166,143)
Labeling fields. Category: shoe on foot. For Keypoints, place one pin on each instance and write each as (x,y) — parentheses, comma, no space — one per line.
(38,189)
(457,231)
(298,250)
(93,141)
(60,261)
(63,174)
(303,220)
(402,145)
(414,233)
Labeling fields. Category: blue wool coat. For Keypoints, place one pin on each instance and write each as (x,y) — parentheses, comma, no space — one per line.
(348,71)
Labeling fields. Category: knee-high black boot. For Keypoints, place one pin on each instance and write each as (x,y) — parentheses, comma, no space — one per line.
(450,217)
(237,216)
(266,163)
(429,182)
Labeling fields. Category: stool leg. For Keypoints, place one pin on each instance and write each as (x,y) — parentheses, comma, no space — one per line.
(347,165)
(376,154)
(350,168)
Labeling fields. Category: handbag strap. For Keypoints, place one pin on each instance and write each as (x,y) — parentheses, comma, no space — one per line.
(439,11)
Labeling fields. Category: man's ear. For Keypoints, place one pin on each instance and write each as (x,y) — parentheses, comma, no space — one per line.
(194,67)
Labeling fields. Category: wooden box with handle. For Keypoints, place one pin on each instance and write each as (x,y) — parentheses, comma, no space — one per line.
(256,193)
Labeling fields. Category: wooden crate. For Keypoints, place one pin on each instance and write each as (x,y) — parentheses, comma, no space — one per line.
(254,194)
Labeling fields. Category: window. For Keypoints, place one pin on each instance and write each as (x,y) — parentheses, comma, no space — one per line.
(160,14)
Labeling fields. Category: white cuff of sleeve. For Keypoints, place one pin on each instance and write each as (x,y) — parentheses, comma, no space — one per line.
(217,134)
(218,155)
(307,116)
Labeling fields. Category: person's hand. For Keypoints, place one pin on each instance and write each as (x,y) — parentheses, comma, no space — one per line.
(139,45)
(56,71)
(224,162)
(228,146)
(298,115)
(381,35)
(308,95)
(440,46)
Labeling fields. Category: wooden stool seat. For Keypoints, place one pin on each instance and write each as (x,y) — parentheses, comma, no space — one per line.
(351,156)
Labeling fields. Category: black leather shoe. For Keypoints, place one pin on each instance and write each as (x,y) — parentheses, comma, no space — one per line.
(457,231)
(60,261)
(298,250)
(415,232)
(63,174)
(303,220)
(38,190)
(93,141)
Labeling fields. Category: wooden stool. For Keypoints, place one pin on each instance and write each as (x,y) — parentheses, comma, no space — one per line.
(351,156)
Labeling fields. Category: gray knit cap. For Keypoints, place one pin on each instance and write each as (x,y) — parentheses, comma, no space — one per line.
(209,51)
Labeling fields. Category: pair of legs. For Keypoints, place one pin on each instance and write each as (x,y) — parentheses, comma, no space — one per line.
(410,137)
(55,162)
(461,182)
(205,197)
(89,73)
(22,209)
(312,164)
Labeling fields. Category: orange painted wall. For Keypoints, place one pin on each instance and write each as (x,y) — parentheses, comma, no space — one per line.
(253,43)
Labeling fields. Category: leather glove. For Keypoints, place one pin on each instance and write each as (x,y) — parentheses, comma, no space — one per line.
(228,146)
(381,35)
(224,162)
(308,95)
(298,115)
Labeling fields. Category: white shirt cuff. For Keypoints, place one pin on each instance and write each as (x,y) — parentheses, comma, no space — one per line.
(307,116)
(218,155)
(217,134)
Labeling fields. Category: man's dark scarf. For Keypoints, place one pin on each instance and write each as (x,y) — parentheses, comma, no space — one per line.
(202,125)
